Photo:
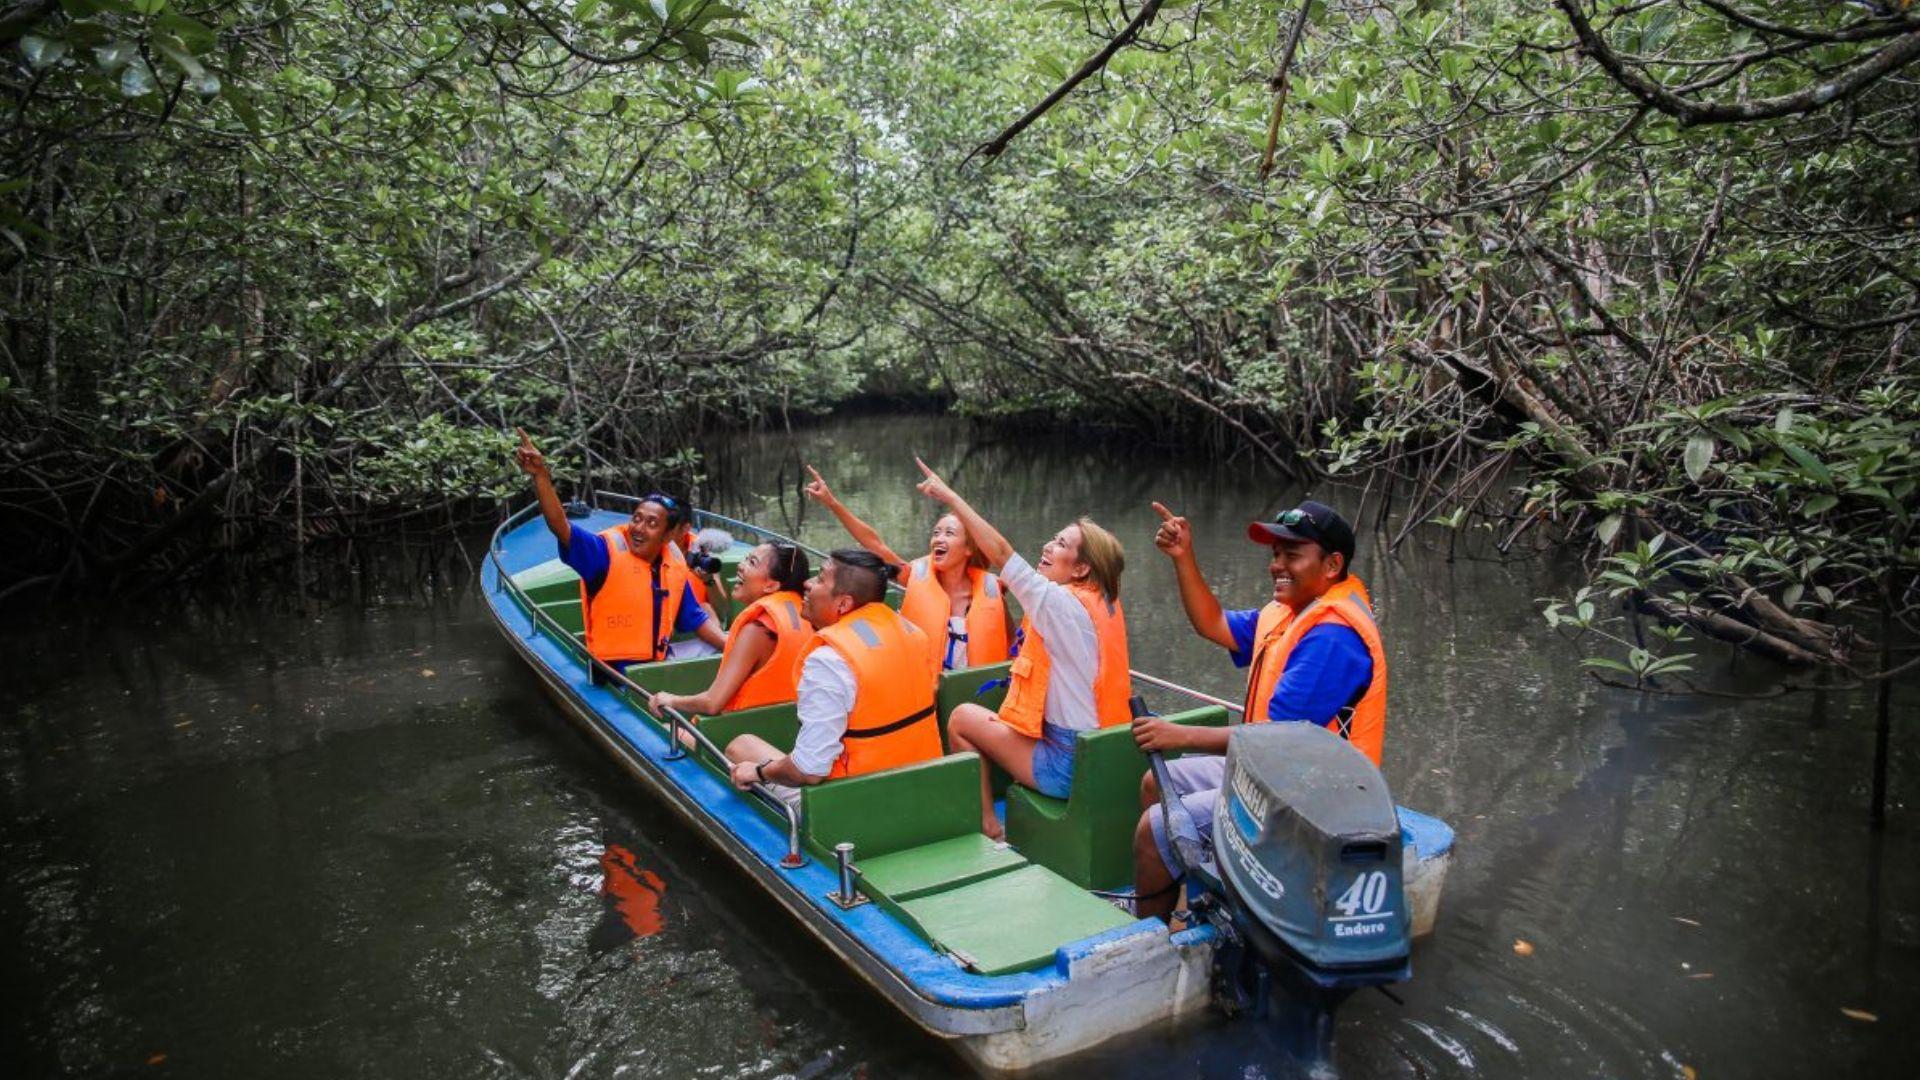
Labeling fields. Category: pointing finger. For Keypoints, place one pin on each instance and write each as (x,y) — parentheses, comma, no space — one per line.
(923,468)
(524,439)
(1165,514)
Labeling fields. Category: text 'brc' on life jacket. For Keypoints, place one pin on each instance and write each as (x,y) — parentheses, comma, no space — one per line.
(1025,707)
(892,722)
(1364,721)
(778,678)
(631,618)
(928,607)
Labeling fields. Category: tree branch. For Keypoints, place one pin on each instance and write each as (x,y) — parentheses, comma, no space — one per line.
(1891,57)
(994,146)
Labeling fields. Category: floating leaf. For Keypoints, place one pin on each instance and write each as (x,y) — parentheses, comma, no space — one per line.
(1522,947)
(136,80)
(41,51)
(1698,455)
(114,56)
(1860,1014)
(1608,528)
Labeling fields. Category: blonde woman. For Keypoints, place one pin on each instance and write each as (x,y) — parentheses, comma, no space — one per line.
(1072,671)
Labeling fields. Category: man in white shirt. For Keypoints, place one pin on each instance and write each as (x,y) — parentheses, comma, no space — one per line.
(848,581)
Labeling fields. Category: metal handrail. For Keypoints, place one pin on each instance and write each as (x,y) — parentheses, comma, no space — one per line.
(676,721)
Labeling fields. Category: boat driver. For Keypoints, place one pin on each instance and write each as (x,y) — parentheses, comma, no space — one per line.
(634,583)
(866,693)
(1314,655)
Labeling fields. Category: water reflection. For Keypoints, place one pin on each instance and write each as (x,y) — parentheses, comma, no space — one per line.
(358,839)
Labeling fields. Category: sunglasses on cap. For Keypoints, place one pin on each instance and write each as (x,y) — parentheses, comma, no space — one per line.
(1294,518)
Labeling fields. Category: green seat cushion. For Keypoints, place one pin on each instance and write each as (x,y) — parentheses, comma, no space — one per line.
(944,864)
(1088,837)
(1013,921)
(962,685)
(890,811)
(551,580)
(676,676)
(778,724)
(567,612)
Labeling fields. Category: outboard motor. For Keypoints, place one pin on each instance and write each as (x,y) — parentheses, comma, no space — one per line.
(1308,853)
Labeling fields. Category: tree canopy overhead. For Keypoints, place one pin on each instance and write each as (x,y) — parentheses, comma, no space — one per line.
(1637,275)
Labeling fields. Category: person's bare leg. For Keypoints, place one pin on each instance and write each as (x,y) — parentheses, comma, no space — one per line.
(751,748)
(1152,882)
(1149,790)
(974,728)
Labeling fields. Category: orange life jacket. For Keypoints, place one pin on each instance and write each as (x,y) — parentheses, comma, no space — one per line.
(631,617)
(1364,723)
(928,607)
(892,722)
(778,678)
(1025,708)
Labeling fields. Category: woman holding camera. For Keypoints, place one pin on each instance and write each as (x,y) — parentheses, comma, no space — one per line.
(758,666)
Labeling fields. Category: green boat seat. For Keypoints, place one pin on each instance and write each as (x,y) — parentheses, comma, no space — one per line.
(894,809)
(962,685)
(1088,836)
(915,830)
(1013,921)
(549,581)
(568,613)
(944,864)
(778,724)
(676,676)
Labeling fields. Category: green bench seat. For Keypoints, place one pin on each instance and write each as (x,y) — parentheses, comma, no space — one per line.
(911,873)
(919,853)
(1088,837)
(1014,921)
(962,685)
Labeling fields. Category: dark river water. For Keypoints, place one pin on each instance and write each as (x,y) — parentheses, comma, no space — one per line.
(245,840)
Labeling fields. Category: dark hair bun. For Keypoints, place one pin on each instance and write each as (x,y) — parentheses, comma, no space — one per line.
(890,571)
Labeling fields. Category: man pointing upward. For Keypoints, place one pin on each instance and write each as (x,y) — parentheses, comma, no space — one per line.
(1315,657)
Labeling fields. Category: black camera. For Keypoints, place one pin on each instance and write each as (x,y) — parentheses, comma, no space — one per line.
(705,563)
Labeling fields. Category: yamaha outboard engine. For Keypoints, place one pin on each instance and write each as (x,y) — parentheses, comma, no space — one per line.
(1307,848)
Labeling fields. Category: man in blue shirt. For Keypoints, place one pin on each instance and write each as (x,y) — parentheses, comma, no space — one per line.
(644,543)
(1325,674)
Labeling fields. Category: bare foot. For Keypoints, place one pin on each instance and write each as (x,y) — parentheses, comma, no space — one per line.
(992,827)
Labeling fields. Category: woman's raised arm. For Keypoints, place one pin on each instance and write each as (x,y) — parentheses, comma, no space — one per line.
(986,539)
(862,533)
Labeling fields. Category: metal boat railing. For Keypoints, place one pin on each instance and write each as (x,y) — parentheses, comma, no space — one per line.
(679,726)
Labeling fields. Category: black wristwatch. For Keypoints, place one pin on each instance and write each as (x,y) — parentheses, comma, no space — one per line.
(760,770)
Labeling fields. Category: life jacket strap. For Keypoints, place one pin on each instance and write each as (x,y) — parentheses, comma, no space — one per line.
(888,729)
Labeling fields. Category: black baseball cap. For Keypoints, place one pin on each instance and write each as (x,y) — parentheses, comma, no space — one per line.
(1310,520)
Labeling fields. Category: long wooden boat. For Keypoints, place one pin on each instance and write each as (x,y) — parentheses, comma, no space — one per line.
(1005,950)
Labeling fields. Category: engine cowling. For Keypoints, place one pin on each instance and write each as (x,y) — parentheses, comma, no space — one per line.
(1308,846)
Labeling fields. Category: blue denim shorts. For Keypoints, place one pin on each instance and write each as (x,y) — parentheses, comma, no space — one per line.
(1053,762)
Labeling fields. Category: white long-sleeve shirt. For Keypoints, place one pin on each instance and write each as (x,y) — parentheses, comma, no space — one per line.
(1072,644)
(824,700)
